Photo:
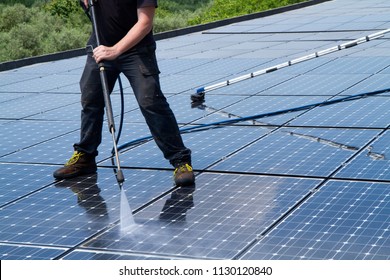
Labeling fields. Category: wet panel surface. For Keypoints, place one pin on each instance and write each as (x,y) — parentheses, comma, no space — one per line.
(228,213)
(70,211)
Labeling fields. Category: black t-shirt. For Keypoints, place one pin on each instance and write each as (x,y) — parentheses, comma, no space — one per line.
(116,17)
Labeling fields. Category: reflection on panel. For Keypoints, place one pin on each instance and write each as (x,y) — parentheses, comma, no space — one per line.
(63,214)
(312,152)
(372,163)
(344,220)
(222,216)
(366,112)
(207,147)
(268,107)
(70,211)
(104,255)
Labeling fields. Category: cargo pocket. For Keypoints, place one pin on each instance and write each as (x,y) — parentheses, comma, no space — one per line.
(148,62)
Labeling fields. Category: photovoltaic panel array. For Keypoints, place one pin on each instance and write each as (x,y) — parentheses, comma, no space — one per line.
(308,179)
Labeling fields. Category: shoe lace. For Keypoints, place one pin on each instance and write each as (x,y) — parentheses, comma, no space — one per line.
(75,157)
(183,168)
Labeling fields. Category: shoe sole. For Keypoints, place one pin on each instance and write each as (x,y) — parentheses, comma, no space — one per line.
(73,175)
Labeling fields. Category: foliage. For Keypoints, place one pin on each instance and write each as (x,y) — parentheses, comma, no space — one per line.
(63,8)
(13,15)
(26,32)
(174,14)
(222,9)
(27,3)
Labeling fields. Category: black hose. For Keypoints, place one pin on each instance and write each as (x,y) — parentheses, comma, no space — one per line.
(259,116)
(121,115)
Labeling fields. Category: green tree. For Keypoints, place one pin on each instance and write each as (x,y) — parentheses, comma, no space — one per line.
(222,9)
(26,32)
(64,8)
(12,16)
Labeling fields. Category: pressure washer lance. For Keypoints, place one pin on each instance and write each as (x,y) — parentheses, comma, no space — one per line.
(107,101)
(199,96)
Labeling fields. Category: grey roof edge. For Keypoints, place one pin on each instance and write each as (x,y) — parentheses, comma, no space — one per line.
(10,65)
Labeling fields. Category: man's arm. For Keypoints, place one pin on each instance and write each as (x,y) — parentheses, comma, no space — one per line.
(143,26)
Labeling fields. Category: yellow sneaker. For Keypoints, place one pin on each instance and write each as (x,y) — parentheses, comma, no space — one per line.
(79,164)
(183,175)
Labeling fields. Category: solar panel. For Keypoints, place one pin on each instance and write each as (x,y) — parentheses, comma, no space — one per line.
(298,151)
(372,83)
(228,213)
(342,221)
(98,255)
(23,134)
(355,65)
(70,211)
(302,182)
(357,113)
(207,147)
(34,105)
(372,163)
(19,252)
(18,181)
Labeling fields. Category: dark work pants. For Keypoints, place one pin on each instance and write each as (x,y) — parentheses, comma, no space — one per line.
(141,69)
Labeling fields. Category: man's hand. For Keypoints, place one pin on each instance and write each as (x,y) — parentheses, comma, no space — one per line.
(143,26)
(86,3)
(105,53)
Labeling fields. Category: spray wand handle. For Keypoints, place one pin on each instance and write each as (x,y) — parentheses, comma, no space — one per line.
(106,94)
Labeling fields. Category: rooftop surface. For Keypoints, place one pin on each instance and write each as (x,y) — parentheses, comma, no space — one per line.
(309,183)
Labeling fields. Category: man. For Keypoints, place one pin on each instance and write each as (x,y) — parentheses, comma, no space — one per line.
(128,47)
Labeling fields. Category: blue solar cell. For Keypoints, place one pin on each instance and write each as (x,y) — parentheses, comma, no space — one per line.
(228,213)
(370,112)
(26,176)
(207,146)
(33,105)
(354,65)
(298,151)
(311,84)
(372,163)
(70,211)
(258,85)
(59,149)
(257,105)
(20,252)
(316,230)
(13,77)
(17,136)
(187,83)
(41,83)
(372,83)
